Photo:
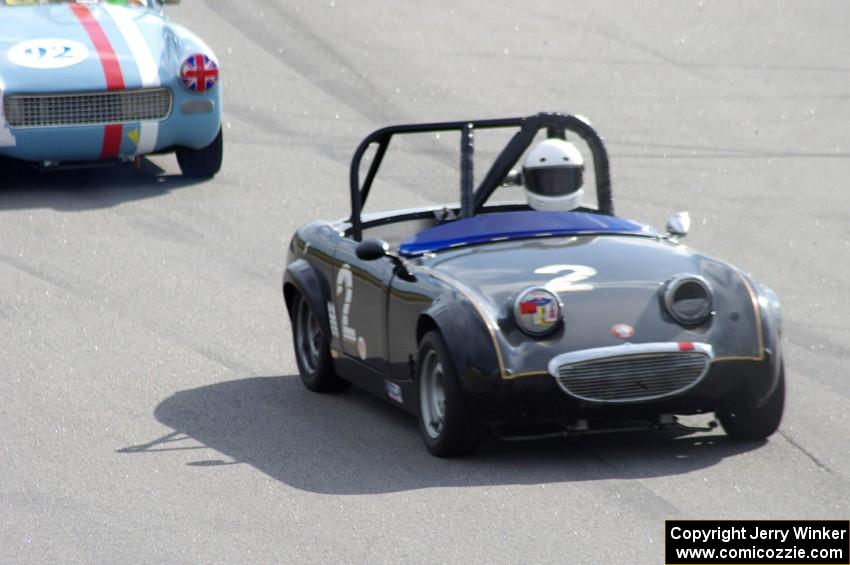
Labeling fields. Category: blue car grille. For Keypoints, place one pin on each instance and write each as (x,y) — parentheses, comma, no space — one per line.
(632,378)
(87,108)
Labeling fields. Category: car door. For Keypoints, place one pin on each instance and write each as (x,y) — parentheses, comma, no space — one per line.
(360,302)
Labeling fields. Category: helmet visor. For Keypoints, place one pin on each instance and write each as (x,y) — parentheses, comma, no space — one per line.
(553,181)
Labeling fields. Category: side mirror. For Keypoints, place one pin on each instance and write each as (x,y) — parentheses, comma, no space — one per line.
(371,249)
(678,225)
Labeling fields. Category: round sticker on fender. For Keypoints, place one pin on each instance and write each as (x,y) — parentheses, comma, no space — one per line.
(622,331)
(48,53)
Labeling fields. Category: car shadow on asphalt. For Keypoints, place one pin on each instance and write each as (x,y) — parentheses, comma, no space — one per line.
(352,443)
(22,186)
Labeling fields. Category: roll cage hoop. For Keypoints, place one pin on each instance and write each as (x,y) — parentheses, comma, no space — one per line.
(473,199)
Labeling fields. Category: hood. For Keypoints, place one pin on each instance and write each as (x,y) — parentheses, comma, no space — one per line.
(602,280)
(83,47)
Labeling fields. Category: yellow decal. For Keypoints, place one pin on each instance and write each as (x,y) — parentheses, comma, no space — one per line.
(134,135)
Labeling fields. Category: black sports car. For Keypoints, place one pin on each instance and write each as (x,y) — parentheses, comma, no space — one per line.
(527,322)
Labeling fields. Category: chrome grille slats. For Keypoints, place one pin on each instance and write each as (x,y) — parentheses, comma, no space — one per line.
(632,378)
(87,108)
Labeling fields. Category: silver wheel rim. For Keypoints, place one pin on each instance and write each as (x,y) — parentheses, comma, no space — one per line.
(432,395)
(308,337)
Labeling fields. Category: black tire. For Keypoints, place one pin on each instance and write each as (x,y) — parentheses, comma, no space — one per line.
(756,422)
(312,352)
(446,425)
(201,163)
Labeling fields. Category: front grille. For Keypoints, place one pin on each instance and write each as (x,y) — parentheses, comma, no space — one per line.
(87,108)
(632,378)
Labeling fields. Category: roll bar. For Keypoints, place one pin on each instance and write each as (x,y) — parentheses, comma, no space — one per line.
(472,200)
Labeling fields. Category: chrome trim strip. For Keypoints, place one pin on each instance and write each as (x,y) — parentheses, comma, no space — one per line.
(626,350)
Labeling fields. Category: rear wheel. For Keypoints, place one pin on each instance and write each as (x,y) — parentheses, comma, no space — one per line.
(312,351)
(444,421)
(756,422)
(204,162)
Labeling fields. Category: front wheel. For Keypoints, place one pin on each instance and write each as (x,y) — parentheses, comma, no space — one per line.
(756,422)
(312,352)
(201,163)
(444,421)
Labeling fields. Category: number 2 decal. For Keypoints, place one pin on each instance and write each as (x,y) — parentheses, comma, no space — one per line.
(570,281)
(345,287)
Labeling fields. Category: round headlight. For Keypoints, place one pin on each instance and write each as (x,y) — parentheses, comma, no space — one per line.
(688,299)
(199,73)
(537,311)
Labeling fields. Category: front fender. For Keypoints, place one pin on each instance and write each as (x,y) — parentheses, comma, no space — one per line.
(470,340)
(771,323)
(309,282)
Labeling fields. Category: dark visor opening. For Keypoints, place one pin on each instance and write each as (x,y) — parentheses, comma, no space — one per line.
(553,181)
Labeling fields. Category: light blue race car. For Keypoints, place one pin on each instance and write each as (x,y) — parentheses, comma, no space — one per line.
(106,81)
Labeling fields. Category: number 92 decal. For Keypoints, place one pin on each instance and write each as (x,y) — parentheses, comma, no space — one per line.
(48,53)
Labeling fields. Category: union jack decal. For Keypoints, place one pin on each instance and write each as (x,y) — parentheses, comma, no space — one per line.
(199,73)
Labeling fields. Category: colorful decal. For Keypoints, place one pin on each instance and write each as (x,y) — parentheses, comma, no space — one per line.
(48,53)
(393,391)
(361,347)
(112,133)
(199,73)
(345,287)
(144,137)
(537,310)
(622,331)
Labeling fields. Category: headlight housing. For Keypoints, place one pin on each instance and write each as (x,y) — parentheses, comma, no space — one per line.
(689,299)
(537,311)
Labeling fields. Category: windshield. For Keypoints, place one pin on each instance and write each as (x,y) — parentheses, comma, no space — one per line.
(142,3)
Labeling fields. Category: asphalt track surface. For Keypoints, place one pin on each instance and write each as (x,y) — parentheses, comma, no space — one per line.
(150,406)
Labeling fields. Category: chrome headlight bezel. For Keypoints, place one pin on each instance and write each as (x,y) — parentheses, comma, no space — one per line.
(689,284)
(548,316)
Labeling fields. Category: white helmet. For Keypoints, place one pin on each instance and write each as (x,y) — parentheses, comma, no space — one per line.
(553,174)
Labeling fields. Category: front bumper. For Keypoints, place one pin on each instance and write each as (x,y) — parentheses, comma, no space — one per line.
(541,399)
(193,121)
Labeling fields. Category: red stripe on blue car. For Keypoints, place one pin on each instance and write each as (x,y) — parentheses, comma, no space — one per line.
(111,71)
